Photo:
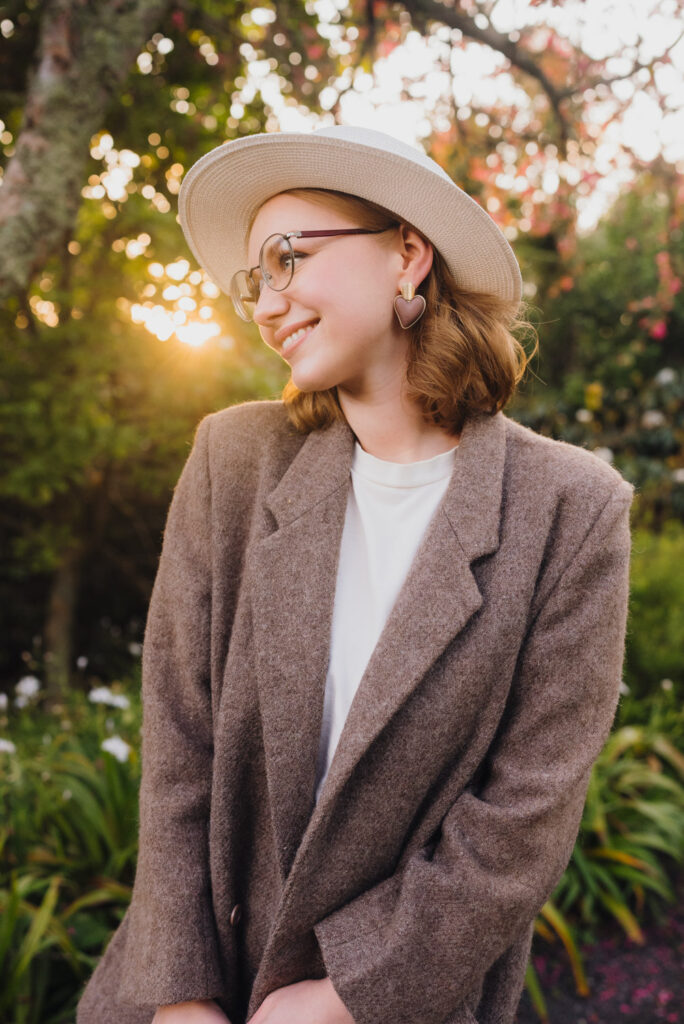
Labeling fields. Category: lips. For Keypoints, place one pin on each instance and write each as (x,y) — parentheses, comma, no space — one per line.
(294,334)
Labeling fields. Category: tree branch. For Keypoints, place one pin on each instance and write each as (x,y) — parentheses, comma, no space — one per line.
(454,18)
(636,66)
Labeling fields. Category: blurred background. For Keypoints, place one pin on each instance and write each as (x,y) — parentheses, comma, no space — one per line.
(565,120)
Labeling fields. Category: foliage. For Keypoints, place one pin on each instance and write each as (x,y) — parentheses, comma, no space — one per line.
(72,806)
(634,815)
(68,848)
(655,637)
(92,454)
(630,844)
(611,369)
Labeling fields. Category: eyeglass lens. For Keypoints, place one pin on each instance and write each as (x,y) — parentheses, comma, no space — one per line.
(244,294)
(276,261)
(276,264)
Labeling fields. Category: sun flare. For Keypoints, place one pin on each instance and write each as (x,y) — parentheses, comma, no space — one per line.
(188,315)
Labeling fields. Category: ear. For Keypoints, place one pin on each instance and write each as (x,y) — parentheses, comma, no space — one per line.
(416,255)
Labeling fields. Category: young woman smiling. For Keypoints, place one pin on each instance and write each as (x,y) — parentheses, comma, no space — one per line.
(385,640)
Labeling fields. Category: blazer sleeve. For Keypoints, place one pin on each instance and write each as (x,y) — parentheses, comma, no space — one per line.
(171,948)
(417,944)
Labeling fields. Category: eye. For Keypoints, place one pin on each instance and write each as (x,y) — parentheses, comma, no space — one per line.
(285,260)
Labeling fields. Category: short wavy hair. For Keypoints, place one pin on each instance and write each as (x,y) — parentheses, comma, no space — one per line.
(463,357)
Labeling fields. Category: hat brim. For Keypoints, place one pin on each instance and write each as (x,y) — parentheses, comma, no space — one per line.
(224,189)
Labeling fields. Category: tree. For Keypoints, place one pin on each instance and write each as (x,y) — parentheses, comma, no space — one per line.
(84,54)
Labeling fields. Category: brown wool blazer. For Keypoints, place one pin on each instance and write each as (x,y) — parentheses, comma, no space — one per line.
(455,794)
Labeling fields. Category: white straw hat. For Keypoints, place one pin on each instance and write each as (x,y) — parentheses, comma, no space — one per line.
(222,191)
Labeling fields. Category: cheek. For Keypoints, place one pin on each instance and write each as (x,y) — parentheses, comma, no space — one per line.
(364,293)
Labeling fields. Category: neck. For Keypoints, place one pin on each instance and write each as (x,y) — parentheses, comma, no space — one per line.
(392,428)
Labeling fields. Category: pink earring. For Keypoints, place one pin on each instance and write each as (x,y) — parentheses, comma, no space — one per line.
(408,306)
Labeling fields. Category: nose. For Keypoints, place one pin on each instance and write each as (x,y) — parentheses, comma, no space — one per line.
(269,305)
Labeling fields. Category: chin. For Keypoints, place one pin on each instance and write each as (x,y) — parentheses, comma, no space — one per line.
(311,382)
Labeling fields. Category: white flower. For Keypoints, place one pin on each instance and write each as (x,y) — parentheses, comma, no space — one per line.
(666,684)
(604,453)
(81,662)
(678,475)
(21,701)
(103,695)
(27,687)
(6,746)
(117,747)
(66,794)
(584,415)
(652,418)
(623,688)
(665,376)
(135,649)
(4,701)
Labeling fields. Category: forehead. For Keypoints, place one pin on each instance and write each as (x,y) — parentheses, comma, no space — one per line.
(284,213)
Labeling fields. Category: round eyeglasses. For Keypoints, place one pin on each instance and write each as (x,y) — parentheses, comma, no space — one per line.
(276,266)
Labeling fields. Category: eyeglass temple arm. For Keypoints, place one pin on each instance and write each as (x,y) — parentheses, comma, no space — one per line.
(327,234)
(337,231)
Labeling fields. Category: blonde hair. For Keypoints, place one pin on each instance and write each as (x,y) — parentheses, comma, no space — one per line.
(463,357)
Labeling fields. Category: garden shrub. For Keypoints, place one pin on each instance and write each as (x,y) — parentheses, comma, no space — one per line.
(655,632)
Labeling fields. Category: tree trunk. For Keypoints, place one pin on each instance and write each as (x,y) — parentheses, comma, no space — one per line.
(86,50)
(59,624)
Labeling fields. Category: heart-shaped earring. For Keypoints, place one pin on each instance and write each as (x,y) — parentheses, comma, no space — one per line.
(408,306)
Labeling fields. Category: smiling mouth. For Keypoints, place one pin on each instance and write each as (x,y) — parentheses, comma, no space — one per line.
(293,339)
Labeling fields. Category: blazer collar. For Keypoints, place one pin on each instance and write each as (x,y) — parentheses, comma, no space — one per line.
(472,502)
(292,621)
(321,466)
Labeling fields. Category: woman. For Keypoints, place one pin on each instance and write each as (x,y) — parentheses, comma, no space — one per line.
(386,636)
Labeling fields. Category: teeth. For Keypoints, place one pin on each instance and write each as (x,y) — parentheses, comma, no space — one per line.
(291,338)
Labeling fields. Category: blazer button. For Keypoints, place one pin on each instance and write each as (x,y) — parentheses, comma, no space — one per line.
(236,915)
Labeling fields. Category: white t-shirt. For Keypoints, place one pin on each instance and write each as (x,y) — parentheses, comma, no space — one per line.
(389,507)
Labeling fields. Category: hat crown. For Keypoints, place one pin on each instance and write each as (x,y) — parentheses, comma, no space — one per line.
(374,139)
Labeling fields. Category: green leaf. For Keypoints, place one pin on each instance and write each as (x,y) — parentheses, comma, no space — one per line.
(621,912)
(561,926)
(534,990)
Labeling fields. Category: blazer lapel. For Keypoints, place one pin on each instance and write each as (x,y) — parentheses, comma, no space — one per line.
(293,573)
(438,599)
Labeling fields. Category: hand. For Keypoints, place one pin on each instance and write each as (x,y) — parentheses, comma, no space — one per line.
(204,1011)
(305,1002)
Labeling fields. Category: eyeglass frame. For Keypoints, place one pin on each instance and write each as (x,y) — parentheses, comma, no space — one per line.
(287,236)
